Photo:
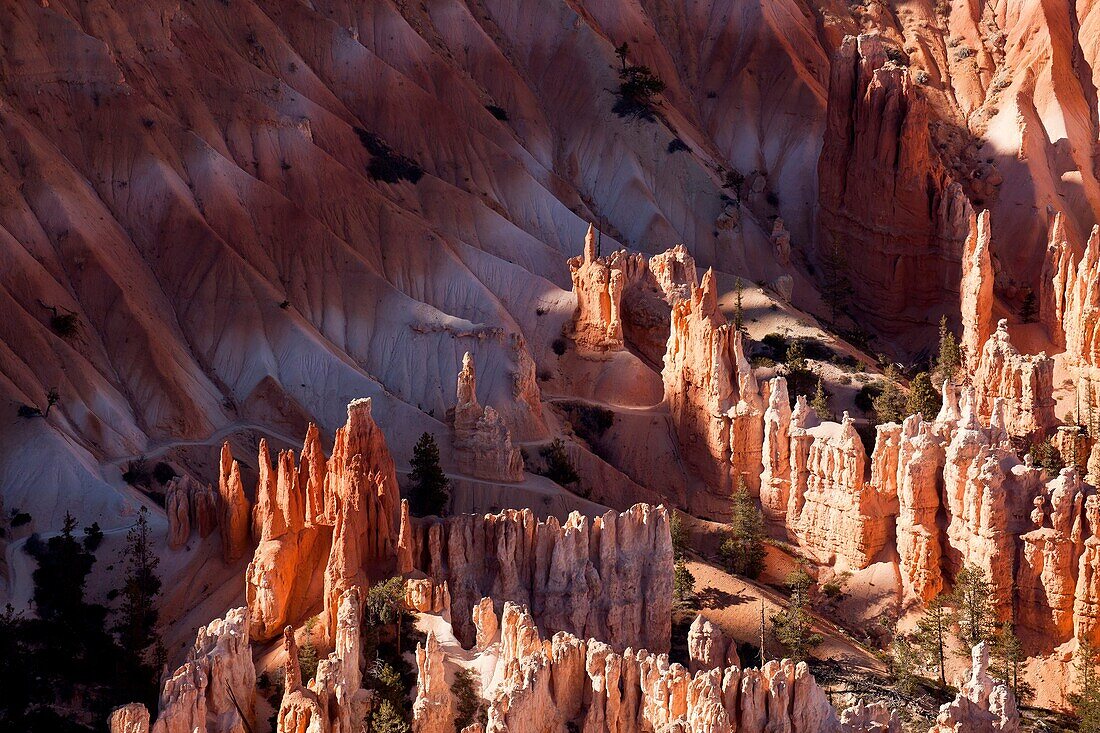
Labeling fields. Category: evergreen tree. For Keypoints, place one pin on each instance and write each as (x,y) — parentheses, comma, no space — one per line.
(1008,657)
(307,653)
(138,614)
(932,635)
(1086,700)
(387,718)
(683,586)
(469,707)
(738,311)
(905,658)
(743,549)
(973,601)
(430,489)
(559,468)
(820,402)
(922,397)
(679,533)
(1028,309)
(385,604)
(950,357)
(836,289)
(890,404)
(793,626)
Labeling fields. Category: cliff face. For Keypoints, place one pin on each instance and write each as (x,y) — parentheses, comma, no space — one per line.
(1024,383)
(884,193)
(608,577)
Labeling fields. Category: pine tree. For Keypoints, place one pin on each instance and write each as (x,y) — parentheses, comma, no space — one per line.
(890,404)
(932,635)
(793,626)
(836,288)
(430,489)
(950,356)
(1008,657)
(683,586)
(1028,308)
(559,468)
(922,397)
(138,614)
(820,402)
(743,549)
(387,718)
(1086,700)
(905,658)
(973,601)
(385,604)
(678,532)
(738,311)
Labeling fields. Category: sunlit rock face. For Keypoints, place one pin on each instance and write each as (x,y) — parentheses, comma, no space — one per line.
(983,705)
(608,577)
(482,442)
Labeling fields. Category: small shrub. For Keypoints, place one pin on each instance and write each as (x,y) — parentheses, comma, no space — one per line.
(163,473)
(469,707)
(65,325)
(772,198)
(497,112)
(922,77)
(558,346)
(962,52)
(865,397)
(93,537)
(284,304)
(136,472)
(559,468)
(386,164)
(28,411)
(19,518)
(34,545)
(676,145)
(590,422)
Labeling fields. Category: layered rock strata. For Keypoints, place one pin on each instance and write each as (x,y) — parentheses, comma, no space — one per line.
(598,283)
(191,507)
(482,442)
(608,577)
(233,509)
(340,515)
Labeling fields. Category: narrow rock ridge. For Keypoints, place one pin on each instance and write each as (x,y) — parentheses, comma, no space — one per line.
(341,516)
(608,577)
(434,707)
(976,290)
(1024,383)
(482,442)
(1070,302)
(714,401)
(983,705)
(233,508)
(544,685)
(214,690)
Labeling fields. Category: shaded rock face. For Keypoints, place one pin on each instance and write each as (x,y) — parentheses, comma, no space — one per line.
(1070,295)
(1024,383)
(547,685)
(482,442)
(884,193)
(714,401)
(191,507)
(233,509)
(341,516)
(214,690)
(608,577)
(919,473)
(983,705)
(433,709)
